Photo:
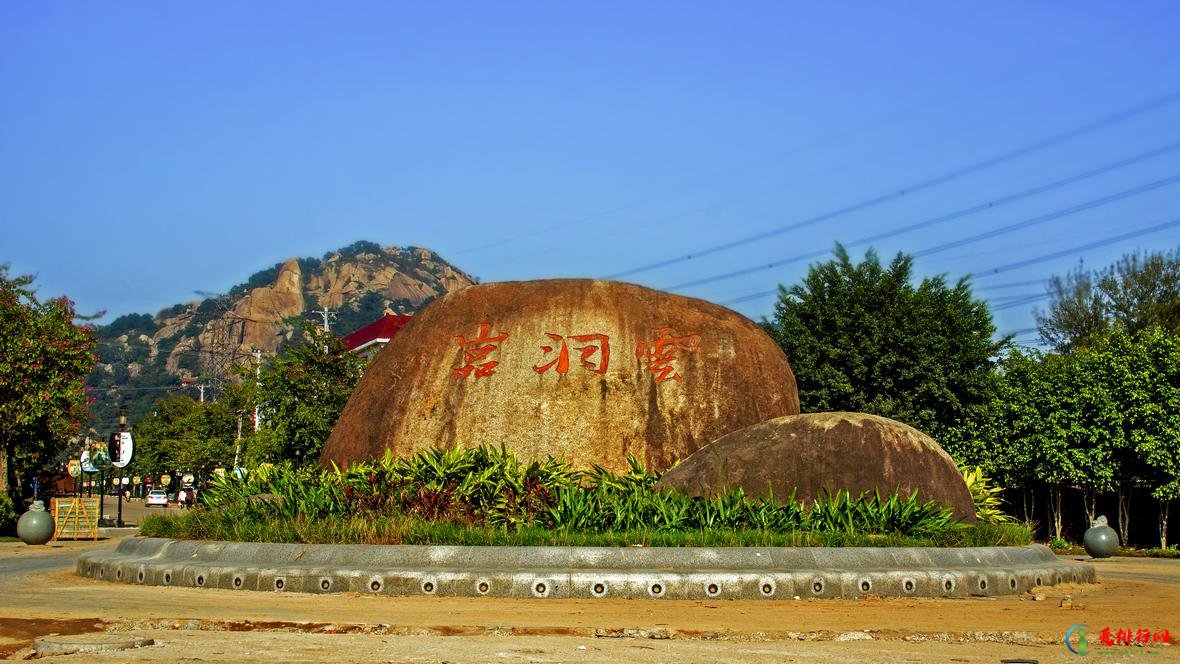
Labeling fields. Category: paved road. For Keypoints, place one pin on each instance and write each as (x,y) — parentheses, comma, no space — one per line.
(38,585)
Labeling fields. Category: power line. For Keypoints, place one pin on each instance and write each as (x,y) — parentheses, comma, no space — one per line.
(1083,247)
(1081,207)
(1155,228)
(1012,284)
(1035,146)
(1020,302)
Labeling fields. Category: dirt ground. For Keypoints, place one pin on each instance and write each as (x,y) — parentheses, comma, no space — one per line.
(41,596)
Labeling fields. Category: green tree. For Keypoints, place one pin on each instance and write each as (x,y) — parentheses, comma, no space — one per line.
(304,390)
(185,435)
(863,337)
(44,360)
(1143,371)
(1137,292)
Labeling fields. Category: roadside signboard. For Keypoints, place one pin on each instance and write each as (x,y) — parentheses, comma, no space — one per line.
(121,448)
(166,480)
(84,462)
(100,458)
(74,468)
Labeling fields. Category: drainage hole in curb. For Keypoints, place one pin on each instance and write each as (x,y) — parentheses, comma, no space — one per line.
(167,577)
(237,582)
(1012,583)
(540,588)
(1038,581)
(983,584)
(200,580)
(119,574)
(483,586)
(948,585)
(599,589)
(712,589)
(140,577)
(767,589)
(325,584)
(279,583)
(657,589)
(865,585)
(817,586)
(428,587)
(375,586)
(908,585)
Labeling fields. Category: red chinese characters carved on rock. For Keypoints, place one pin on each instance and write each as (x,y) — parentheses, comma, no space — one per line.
(660,354)
(476,351)
(595,343)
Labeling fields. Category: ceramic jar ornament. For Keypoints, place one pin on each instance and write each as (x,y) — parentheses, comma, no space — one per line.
(1100,541)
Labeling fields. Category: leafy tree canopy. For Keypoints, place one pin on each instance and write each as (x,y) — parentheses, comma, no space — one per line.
(863,337)
(1137,292)
(44,360)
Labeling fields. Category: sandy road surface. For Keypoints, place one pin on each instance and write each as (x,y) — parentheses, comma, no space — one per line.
(40,594)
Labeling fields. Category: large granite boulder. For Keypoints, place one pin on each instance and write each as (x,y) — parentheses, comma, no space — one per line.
(818,452)
(589,371)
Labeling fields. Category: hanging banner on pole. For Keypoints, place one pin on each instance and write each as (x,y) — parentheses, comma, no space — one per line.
(84,461)
(121,448)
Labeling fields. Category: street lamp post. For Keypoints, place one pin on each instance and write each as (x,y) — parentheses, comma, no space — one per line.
(122,427)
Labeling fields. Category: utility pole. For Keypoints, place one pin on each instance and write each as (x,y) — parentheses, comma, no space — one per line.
(326,314)
(257,385)
(202,388)
(122,428)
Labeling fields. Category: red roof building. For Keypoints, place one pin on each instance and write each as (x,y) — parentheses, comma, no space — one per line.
(373,337)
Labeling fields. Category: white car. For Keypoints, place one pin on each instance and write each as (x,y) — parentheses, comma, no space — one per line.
(157,498)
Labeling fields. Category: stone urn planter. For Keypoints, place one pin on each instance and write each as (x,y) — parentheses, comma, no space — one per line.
(36,525)
(1100,541)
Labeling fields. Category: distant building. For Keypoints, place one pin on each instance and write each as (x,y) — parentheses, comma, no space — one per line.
(373,337)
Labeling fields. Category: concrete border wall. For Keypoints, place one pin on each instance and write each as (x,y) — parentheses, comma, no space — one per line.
(585,572)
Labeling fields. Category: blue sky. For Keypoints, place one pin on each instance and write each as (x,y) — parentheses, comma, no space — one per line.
(148,150)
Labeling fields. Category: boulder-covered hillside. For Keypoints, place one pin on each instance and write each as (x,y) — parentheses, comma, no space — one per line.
(142,357)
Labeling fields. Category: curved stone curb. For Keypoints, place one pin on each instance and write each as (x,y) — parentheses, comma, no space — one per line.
(53,646)
(585,572)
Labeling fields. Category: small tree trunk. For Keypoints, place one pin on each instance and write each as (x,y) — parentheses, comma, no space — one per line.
(1026,495)
(1164,505)
(1055,509)
(1089,502)
(1124,514)
(4,485)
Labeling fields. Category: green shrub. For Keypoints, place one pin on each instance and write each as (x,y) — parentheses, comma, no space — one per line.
(488,486)
(7,514)
(985,495)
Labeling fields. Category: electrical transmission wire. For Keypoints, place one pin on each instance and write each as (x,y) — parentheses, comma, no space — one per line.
(1020,302)
(1057,214)
(975,167)
(1081,207)
(1155,228)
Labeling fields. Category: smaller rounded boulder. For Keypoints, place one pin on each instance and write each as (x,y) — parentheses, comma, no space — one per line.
(815,453)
